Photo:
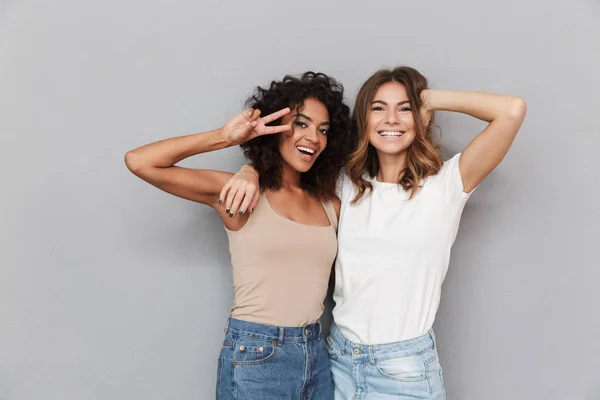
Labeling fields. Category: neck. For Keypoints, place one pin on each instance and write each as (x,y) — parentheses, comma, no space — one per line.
(391,167)
(290,178)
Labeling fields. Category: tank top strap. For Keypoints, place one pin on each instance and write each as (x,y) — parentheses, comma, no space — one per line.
(330,210)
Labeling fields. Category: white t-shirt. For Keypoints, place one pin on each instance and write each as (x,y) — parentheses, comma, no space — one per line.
(393,254)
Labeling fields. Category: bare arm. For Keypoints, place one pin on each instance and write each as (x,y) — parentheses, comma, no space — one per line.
(155,162)
(504,115)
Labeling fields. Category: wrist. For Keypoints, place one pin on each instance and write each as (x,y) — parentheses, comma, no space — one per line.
(250,169)
(427,101)
(222,136)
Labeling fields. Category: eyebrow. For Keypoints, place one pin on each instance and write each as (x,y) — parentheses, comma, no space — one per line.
(310,119)
(385,104)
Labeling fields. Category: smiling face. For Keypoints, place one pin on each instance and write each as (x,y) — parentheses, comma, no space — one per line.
(390,121)
(300,147)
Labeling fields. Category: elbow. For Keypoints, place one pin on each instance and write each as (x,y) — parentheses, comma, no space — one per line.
(518,108)
(132,161)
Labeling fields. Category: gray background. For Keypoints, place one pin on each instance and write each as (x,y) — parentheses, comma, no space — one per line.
(110,289)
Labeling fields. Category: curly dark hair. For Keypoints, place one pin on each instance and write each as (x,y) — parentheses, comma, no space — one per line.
(263,153)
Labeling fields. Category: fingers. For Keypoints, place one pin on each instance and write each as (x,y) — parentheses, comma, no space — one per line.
(247,114)
(277,129)
(253,118)
(250,115)
(255,115)
(224,191)
(276,115)
(235,204)
(250,192)
(229,200)
(254,201)
(239,198)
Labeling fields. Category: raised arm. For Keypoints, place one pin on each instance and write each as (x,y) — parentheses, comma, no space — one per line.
(504,115)
(155,162)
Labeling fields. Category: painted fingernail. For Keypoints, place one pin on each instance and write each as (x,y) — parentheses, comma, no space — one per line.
(220,201)
(241,212)
(230,215)
(227,211)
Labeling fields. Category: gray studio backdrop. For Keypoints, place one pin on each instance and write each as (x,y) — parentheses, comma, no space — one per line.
(111,289)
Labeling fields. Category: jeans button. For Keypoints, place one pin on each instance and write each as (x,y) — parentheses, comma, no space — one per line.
(356,351)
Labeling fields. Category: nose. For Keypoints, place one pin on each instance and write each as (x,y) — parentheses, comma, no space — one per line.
(312,135)
(391,116)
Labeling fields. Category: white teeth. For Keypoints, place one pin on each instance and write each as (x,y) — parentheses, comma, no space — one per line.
(306,149)
(391,133)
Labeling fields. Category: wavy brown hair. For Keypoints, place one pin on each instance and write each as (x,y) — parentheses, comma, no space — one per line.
(320,180)
(423,155)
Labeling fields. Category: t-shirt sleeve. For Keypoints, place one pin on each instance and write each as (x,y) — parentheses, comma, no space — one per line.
(452,182)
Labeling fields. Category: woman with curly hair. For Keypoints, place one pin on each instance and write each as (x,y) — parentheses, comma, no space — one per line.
(283,254)
(400,211)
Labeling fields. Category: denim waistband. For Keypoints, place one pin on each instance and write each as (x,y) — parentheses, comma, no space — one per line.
(279,334)
(382,351)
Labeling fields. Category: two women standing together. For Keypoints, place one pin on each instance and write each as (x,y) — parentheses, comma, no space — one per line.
(369,193)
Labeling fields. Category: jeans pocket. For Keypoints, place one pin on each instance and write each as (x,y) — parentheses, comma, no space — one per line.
(429,356)
(249,351)
(403,369)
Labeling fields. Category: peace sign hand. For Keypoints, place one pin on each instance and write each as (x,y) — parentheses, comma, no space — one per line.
(248,125)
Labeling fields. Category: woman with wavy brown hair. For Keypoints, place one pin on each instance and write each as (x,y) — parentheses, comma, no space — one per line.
(401,207)
(282,255)
(400,211)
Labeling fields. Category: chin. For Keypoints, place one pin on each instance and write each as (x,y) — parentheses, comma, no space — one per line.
(390,149)
(302,169)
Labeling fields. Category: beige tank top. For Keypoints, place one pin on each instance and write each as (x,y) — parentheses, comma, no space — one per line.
(281,267)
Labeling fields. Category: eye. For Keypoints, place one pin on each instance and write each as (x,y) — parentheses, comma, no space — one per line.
(324,131)
(377,108)
(300,124)
(404,109)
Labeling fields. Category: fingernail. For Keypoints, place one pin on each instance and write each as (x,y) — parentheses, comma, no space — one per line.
(220,201)
(227,211)
(230,215)
(251,211)
(247,123)
(241,212)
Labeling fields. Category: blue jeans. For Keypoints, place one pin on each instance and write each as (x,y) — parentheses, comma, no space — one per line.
(403,370)
(265,362)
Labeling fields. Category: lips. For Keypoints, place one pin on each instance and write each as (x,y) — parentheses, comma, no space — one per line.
(306,153)
(306,150)
(391,133)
